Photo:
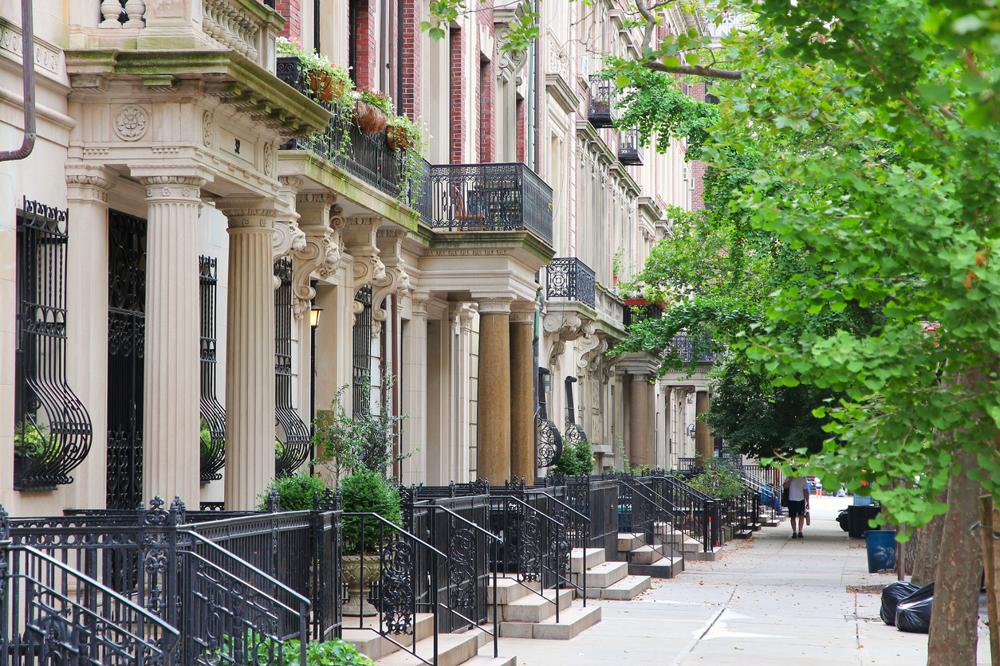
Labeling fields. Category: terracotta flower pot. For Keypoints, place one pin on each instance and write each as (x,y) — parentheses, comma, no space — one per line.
(398,138)
(321,83)
(357,603)
(370,119)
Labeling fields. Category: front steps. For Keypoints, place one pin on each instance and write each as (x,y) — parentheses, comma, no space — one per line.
(525,614)
(656,560)
(453,649)
(606,580)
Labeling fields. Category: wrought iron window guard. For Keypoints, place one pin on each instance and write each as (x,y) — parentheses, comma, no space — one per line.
(570,278)
(367,156)
(53,431)
(629,150)
(600,107)
(361,378)
(292,435)
(548,440)
(574,433)
(212,439)
(488,197)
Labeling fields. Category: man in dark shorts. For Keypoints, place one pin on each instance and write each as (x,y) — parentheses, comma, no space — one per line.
(798,503)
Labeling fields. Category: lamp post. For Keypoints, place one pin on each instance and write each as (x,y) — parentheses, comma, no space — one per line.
(314,314)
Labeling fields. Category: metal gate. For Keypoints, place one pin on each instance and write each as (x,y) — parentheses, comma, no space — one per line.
(126,328)
(362,375)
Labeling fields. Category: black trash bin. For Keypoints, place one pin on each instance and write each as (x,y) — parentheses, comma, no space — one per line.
(858,518)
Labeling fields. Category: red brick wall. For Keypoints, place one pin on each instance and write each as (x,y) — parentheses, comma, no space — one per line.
(409,27)
(486,96)
(697,91)
(456,96)
(365,32)
(292,11)
(522,139)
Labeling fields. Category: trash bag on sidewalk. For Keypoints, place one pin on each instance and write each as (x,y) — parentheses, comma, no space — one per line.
(844,520)
(913,613)
(891,596)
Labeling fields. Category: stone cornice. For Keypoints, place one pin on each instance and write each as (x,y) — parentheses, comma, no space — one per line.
(590,137)
(475,243)
(562,93)
(649,208)
(224,74)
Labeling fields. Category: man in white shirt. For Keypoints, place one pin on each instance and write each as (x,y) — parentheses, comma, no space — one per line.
(798,502)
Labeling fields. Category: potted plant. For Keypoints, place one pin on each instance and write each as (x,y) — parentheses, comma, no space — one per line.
(327,82)
(295,492)
(372,110)
(616,268)
(401,133)
(365,491)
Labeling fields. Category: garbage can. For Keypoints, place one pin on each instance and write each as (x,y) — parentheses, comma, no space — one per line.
(881,545)
(858,519)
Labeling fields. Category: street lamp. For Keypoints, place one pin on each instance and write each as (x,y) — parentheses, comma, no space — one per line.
(314,314)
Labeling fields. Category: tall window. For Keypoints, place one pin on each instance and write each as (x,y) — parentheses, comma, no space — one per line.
(52,429)
(291,434)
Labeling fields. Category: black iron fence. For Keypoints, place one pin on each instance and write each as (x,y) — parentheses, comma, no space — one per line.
(629,150)
(570,278)
(488,197)
(600,106)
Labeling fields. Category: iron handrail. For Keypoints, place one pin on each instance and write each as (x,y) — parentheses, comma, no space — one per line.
(396,527)
(564,505)
(583,565)
(65,568)
(496,539)
(249,586)
(256,571)
(641,490)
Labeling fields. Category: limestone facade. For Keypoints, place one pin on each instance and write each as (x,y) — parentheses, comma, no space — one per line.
(170,122)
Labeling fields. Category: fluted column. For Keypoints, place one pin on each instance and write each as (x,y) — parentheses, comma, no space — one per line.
(249,355)
(414,467)
(703,444)
(171,387)
(493,424)
(522,391)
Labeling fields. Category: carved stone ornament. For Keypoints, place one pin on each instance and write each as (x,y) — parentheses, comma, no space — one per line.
(395,280)
(268,159)
(321,253)
(368,270)
(287,238)
(131,123)
(592,348)
(208,128)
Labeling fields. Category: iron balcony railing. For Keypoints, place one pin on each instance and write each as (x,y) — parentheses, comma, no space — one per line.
(635,313)
(487,197)
(629,152)
(367,156)
(600,107)
(570,278)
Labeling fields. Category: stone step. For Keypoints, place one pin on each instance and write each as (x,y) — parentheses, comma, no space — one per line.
(645,554)
(572,621)
(594,557)
(629,540)
(453,650)
(533,608)
(627,588)
(702,556)
(371,644)
(666,567)
(508,589)
(488,660)
(604,574)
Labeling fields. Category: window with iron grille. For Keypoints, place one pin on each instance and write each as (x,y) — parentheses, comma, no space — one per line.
(362,366)
(52,429)
(291,447)
(212,439)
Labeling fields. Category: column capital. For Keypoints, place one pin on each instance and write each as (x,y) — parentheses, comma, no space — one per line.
(88,183)
(173,188)
(494,305)
(249,214)
(418,303)
(522,312)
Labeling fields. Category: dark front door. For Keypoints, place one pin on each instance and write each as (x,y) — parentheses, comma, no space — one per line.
(126,329)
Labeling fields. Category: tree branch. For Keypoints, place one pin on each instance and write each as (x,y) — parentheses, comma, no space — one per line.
(694,70)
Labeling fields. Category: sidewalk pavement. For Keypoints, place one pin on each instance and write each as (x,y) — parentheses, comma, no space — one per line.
(768,600)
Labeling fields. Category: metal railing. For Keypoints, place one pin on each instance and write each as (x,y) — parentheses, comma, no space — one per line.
(488,197)
(629,150)
(50,613)
(367,156)
(697,513)
(643,510)
(570,278)
(600,106)
(455,526)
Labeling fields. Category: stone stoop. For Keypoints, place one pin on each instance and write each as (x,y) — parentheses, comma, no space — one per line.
(659,560)
(453,649)
(524,614)
(606,580)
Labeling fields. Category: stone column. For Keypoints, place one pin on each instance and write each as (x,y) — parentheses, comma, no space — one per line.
(171,387)
(249,355)
(641,415)
(414,388)
(493,424)
(704,446)
(522,391)
(87,319)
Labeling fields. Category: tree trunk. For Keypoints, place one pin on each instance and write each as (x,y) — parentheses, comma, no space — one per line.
(928,551)
(955,618)
(990,516)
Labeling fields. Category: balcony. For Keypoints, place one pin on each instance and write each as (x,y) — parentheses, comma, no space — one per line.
(600,111)
(683,346)
(570,278)
(486,197)
(629,152)
(367,156)
(636,312)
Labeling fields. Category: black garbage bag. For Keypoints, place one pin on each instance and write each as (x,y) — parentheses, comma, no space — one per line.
(892,594)
(844,520)
(913,613)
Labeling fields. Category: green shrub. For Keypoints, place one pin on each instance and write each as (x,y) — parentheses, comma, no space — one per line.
(718,481)
(366,491)
(334,652)
(295,493)
(575,459)
(29,440)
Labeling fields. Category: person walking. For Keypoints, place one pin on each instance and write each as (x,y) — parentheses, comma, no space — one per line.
(798,502)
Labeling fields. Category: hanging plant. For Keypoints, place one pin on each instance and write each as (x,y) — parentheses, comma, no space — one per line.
(372,111)
(405,136)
